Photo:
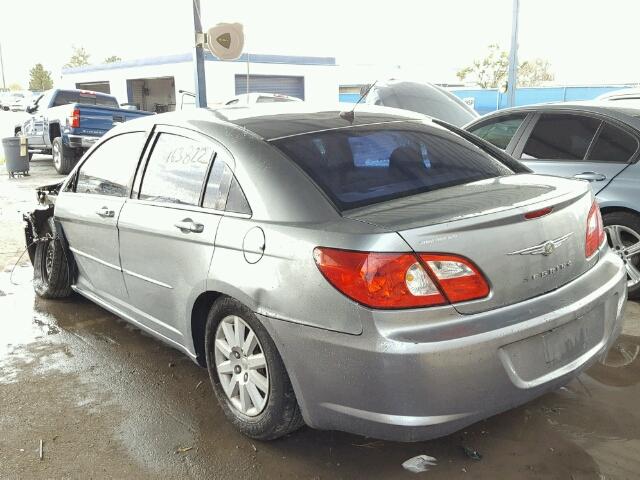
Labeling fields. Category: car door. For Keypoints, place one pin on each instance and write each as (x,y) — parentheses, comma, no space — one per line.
(34,127)
(576,145)
(168,228)
(88,211)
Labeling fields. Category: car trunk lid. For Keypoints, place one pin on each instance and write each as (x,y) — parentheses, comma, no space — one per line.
(485,222)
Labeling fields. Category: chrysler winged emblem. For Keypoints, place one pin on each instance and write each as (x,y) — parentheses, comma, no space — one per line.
(545,248)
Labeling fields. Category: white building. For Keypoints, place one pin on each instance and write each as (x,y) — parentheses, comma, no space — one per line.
(153,84)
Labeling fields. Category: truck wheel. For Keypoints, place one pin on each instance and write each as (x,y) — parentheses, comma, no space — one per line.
(51,266)
(64,157)
(247,373)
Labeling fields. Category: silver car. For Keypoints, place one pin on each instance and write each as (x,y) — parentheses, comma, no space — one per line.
(594,141)
(378,274)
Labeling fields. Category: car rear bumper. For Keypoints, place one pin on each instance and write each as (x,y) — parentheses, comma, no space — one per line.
(413,381)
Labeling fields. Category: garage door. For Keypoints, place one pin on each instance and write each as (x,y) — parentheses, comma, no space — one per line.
(284,85)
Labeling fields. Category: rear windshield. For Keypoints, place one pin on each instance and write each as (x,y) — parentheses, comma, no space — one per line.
(88,98)
(361,166)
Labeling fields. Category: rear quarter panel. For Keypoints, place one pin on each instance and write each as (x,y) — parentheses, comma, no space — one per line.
(622,191)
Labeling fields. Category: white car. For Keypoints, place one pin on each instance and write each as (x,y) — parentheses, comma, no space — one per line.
(257,97)
(5,99)
(18,101)
(622,94)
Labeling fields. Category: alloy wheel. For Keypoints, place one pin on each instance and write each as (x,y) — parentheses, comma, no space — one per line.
(626,243)
(241,366)
(56,155)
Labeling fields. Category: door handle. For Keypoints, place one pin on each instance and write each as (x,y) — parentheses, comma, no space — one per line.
(106,212)
(590,176)
(188,225)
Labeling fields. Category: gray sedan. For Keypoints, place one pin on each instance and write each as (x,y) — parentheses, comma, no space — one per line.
(378,274)
(594,141)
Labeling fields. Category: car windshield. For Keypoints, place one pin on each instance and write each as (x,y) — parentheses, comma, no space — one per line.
(88,98)
(361,166)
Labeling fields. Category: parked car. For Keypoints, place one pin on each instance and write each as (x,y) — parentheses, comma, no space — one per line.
(424,98)
(18,101)
(5,102)
(250,98)
(622,94)
(66,123)
(383,275)
(593,141)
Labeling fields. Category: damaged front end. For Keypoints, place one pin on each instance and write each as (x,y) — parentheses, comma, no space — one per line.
(37,218)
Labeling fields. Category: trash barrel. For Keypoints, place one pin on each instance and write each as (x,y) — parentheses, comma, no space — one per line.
(16,155)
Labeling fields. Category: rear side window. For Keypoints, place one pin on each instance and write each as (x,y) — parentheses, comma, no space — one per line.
(223,192)
(176,170)
(361,166)
(110,167)
(501,131)
(613,145)
(88,98)
(560,137)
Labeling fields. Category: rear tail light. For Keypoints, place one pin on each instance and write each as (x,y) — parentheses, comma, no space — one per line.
(595,231)
(459,279)
(74,119)
(401,280)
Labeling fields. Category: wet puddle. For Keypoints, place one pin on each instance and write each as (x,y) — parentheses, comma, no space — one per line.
(121,404)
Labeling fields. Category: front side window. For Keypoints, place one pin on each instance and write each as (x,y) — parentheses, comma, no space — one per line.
(501,131)
(560,137)
(613,145)
(361,166)
(176,170)
(110,167)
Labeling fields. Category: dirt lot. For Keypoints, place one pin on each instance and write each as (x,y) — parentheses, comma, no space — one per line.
(110,402)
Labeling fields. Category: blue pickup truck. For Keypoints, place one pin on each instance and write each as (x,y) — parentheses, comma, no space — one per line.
(65,123)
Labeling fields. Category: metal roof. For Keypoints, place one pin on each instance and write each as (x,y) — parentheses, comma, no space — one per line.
(188,57)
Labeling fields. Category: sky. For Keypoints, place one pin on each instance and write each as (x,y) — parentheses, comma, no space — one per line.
(586,41)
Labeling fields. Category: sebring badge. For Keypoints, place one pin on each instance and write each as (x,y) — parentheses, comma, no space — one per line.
(544,248)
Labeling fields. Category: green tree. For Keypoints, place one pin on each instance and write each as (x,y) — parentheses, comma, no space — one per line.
(40,78)
(15,87)
(112,59)
(532,73)
(491,71)
(79,58)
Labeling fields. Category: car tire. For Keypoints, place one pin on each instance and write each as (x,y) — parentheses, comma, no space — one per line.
(51,265)
(279,414)
(627,225)
(64,157)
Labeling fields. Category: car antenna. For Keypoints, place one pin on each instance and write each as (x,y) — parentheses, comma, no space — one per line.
(349,115)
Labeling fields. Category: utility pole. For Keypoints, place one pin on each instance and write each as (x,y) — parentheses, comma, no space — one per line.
(198,58)
(4,86)
(512,79)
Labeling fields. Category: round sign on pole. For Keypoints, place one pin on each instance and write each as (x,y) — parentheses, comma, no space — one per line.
(226,40)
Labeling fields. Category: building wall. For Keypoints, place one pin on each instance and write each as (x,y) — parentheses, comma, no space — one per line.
(489,100)
(321,84)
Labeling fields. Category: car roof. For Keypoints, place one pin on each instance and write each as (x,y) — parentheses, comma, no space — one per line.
(277,120)
(627,112)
